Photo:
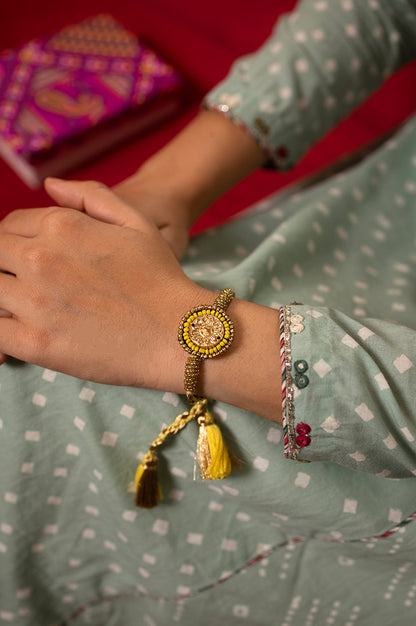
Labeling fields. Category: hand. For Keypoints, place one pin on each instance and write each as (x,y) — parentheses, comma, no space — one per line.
(3,357)
(95,300)
(169,215)
(180,181)
(164,210)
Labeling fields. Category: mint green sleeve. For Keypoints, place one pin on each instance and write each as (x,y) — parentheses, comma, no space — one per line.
(349,391)
(320,63)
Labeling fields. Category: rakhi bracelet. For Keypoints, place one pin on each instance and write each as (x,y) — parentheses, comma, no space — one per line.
(204,332)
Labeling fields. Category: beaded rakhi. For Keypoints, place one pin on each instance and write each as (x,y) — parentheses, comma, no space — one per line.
(204,332)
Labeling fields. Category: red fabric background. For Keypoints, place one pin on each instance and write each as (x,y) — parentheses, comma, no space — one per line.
(202,39)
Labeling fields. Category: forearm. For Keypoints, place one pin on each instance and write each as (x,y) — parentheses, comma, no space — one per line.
(199,165)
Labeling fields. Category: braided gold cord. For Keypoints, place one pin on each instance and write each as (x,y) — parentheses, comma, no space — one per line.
(180,422)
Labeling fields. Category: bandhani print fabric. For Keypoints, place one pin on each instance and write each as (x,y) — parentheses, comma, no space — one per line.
(281,541)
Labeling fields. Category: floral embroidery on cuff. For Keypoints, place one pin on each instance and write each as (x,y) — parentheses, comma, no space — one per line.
(295,438)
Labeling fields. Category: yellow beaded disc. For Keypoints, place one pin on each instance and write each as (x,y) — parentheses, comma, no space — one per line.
(206,331)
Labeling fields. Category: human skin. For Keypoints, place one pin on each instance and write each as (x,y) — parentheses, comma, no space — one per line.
(176,185)
(94,287)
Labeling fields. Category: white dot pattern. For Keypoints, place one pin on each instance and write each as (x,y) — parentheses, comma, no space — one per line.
(345,247)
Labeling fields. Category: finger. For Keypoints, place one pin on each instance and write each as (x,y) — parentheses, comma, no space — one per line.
(13,255)
(8,335)
(25,222)
(65,192)
(97,201)
(3,357)
(8,285)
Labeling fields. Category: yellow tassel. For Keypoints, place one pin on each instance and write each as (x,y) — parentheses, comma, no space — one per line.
(213,455)
(148,490)
(214,458)
(220,465)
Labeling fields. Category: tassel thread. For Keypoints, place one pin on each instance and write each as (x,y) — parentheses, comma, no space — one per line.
(213,455)
(148,491)
(215,460)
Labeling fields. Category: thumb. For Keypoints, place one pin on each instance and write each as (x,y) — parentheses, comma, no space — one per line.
(177,238)
(95,199)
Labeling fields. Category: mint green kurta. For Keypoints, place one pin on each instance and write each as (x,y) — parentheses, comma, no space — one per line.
(279,542)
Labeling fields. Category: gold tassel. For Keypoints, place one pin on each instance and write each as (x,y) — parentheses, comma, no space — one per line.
(213,455)
(148,490)
(214,458)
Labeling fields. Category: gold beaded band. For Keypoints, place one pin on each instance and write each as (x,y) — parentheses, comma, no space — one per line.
(205,332)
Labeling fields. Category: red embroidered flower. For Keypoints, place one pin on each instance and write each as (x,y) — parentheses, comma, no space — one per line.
(303,429)
(303,440)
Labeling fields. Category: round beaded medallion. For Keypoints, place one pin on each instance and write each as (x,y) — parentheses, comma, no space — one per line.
(206,331)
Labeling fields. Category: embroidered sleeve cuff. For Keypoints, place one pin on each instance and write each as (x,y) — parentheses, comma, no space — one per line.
(295,378)
(311,73)
(278,158)
(310,423)
(347,391)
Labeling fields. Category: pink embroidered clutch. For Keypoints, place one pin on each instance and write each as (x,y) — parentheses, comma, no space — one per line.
(70,96)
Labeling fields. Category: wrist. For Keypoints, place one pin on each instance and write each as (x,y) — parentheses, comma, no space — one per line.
(200,164)
(150,190)
(156,179)
(248,374)
(170,358)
